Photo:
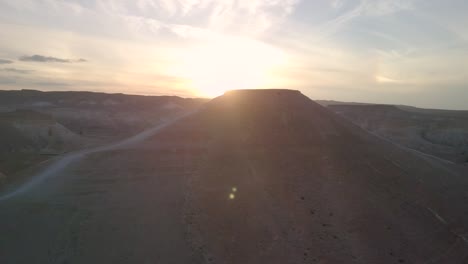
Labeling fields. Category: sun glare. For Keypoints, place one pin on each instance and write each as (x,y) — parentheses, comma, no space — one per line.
(230,63)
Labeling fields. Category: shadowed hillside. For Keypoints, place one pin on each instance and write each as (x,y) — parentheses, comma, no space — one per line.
(35,125)
(255,176)
(99,115)
(442,133)
(313,188)
(28,137)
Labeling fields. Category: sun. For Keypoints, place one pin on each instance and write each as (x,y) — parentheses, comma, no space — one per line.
(227,63)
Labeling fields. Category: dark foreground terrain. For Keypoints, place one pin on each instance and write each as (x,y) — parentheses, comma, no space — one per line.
(252,177)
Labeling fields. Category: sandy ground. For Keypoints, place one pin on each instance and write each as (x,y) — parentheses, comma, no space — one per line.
(110,208)
(67,214)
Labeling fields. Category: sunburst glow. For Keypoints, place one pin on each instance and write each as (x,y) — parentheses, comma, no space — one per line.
(230,63)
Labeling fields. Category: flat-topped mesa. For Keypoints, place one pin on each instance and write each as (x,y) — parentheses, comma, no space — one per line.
(294,165)
(271,98)
(272,116)
(259,96)
(262,92)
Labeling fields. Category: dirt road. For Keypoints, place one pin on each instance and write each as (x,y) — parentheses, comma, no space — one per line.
(111,204)
(65,160)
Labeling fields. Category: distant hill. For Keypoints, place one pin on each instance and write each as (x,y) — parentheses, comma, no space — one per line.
(36,125)
(27,137)
(443,133)
(34,98)
(438,112)
(332,102)
(98,114)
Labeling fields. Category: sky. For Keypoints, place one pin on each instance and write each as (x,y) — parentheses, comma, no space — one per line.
(412,52)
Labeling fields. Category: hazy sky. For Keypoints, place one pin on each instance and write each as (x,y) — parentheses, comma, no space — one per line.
(388,51)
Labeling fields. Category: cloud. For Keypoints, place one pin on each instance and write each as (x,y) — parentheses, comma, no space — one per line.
(337,4)
(332,70)
(40,58)
(51,84)
(250,16)
(13,70)
(384,79)
(7,80)
(2,61)
(386,7)
(245,16)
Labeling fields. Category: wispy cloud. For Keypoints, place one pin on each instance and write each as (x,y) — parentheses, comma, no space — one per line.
(384,79)
(337,3)
(3,61)
(7,80)
(245,16)
(386,7)
(49,84)
(363,8)
(14,70)
(40,58)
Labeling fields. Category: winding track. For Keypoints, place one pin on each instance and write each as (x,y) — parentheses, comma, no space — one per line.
(69,158)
